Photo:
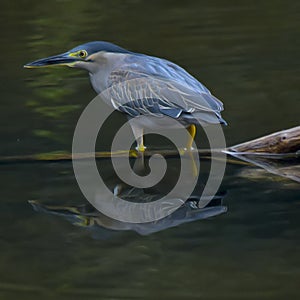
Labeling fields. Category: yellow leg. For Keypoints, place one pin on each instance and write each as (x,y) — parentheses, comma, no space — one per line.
(140,142)
(138,134)
(192,131)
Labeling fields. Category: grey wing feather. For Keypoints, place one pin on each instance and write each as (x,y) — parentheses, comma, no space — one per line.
(159,87)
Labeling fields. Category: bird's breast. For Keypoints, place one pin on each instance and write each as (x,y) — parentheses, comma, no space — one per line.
(99,82)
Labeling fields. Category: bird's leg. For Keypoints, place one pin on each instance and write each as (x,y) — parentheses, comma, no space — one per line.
(140,143)
(138,134)
(192,131)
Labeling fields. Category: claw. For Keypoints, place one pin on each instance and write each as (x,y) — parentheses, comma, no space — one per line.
(141,148)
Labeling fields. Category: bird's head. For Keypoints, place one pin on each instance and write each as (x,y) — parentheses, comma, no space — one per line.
(83,56)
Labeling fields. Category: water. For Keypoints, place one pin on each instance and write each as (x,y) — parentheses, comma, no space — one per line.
(247,53)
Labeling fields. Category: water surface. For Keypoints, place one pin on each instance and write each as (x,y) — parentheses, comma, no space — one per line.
(247,53)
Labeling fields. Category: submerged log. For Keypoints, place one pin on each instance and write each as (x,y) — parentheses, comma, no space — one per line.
(65,156)
(282,142)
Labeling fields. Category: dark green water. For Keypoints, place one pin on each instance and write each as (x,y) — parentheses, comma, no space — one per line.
(247,53)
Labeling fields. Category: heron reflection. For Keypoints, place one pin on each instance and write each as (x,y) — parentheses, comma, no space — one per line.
(196,207)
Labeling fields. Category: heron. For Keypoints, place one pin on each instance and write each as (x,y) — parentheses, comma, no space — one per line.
(169,91)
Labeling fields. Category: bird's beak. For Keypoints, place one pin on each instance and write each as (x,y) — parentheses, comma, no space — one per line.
(64,59)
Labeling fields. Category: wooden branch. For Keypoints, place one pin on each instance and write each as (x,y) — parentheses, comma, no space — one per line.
(285,141)
(277,153)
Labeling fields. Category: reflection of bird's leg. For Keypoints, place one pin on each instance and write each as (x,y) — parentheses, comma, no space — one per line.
(192,131)
(139,165)
(194,167)
(189,146)
(138,134)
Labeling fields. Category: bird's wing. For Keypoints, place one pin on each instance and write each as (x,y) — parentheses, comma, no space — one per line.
(164,89)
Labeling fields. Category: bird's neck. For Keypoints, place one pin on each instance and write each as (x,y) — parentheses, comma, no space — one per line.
(106,63)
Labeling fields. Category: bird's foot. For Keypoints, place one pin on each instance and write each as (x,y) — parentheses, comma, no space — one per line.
(141,148)
(184,150)
(133,153)
(191,149)
(137,151)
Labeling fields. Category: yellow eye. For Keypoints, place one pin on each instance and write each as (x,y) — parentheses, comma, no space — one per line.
(82,53)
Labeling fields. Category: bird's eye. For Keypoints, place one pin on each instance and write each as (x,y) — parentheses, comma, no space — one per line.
(82,54)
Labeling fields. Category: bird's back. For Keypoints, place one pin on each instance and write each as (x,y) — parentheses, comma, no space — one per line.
(162,68)
(144,85)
